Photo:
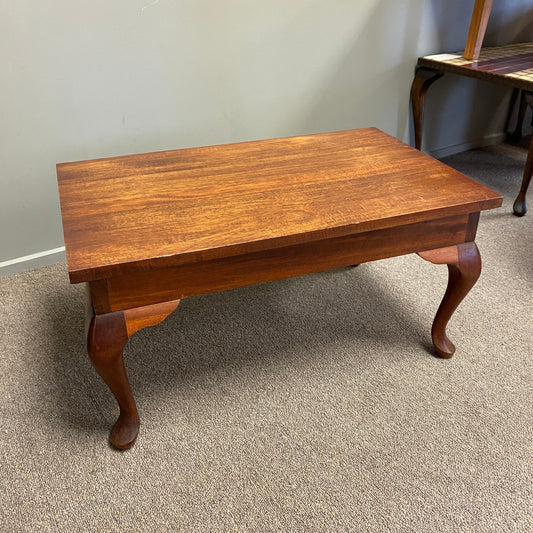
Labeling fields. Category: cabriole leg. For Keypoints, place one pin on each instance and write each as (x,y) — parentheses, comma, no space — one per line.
(106,339)
(424,77)
(520,204)
(107,335)
(464,268)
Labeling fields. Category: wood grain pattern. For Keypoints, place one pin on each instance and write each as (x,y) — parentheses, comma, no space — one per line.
(148,315)
(478,26)
(142,287)
(505,65)
(159,210)
(510,65)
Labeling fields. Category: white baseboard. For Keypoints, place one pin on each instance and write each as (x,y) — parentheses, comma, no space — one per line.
(29,262)
(495,138)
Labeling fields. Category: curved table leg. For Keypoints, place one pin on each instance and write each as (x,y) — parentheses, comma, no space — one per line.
(106,337)
(464,268)
(424,77)
(520,204)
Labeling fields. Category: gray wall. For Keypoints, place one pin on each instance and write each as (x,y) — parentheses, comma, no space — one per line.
(99,78)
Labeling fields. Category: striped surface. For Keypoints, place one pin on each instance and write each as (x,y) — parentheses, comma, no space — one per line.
(510,64)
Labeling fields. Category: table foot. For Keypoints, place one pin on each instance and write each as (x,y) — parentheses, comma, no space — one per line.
(464,268)
(106,339)
(107,336)
(520,205)
(424,77)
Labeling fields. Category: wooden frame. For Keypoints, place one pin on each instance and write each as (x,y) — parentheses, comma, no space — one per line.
(478,26)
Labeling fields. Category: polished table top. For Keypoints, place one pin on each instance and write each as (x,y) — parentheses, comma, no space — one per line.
(183,206)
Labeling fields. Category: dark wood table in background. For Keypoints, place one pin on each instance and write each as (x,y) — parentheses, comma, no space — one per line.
(510,65)
(144,231)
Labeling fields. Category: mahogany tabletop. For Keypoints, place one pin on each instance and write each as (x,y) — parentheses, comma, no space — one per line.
(174,207)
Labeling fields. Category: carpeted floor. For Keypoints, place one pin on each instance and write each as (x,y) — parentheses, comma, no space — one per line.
(307,405)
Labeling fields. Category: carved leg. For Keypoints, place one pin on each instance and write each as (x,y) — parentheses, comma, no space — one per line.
(464,268)
(105,341)
(520,205)
(106,337)
(424,77)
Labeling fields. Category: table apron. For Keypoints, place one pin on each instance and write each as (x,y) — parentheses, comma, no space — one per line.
(147,287)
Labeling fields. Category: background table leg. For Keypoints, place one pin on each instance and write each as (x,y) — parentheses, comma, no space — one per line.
(424,77)
(478,26)
(520,205)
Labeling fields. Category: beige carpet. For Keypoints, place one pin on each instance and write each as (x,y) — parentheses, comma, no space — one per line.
(307,405)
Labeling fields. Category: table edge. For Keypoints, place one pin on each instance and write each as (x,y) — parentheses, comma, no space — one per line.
(466,71)
(81,275)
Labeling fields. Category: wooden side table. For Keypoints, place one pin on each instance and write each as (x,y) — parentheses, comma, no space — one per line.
(510,65)
(144,231)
